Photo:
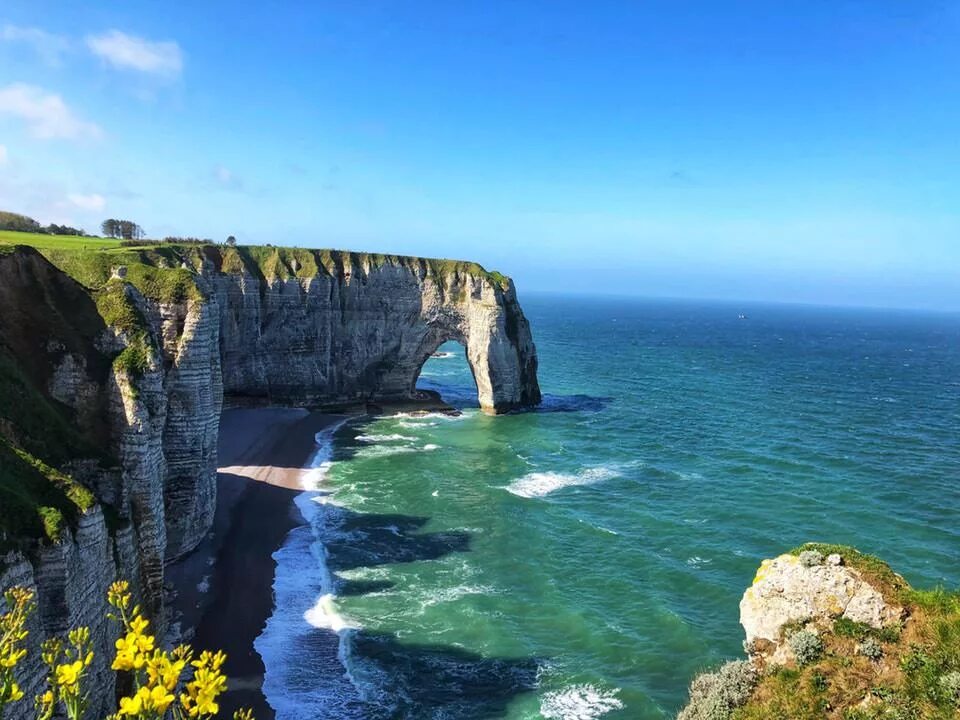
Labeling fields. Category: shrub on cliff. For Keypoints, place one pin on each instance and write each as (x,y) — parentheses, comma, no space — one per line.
(806,645)
(714,696)
(155,675)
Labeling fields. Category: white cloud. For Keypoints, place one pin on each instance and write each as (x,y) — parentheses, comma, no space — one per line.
(48,46)
(92,201)
(45,114)
(129,52)
(227,179)
(3,155)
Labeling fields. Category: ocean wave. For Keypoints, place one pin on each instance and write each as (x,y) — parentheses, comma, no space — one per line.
(443,355)
(540,484)
(451,594)
(579,702)
(394,437)
(325,616)
(420,416)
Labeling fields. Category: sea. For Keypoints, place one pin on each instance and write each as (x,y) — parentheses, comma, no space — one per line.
(586,559)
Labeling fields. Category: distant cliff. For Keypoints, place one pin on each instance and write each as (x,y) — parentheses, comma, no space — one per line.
(113,367)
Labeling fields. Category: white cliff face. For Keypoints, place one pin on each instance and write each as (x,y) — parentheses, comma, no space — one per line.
(787,591)
(364,333)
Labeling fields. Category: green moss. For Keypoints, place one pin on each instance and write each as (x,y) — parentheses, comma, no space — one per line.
(35,422)
(144,270)
(36,501)
(231,262)
(119,311)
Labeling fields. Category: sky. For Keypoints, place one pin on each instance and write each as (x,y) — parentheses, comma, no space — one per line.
(800,151)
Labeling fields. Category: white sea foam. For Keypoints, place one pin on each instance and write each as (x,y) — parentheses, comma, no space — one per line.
(579,702)
(304,591)
(540,484)
(395,437)
(324,615)
(431,446)
(443,355)
(450,594)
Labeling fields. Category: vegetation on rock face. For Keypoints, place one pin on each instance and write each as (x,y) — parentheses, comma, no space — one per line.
(36,500)
(714,696)
(155,676)
(847,670)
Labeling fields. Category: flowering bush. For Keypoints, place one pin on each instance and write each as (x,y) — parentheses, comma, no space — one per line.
(156,675)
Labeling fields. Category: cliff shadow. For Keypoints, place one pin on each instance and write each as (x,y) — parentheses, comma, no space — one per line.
(369,540)
(432,681)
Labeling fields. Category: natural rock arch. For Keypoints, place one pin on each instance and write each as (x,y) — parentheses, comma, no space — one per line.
(363,332)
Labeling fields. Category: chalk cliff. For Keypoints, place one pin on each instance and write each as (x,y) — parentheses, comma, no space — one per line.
(357,327)
(113,367)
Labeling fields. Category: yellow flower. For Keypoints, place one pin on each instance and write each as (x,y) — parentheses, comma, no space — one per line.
(118,595)
(15,692)
(243,714)
(160,698)
(139,624)
(12,658)
(69,674)
(162,671)
(131,706)
(128,655)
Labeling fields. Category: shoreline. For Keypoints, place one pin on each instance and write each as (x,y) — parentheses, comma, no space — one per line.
(220,596)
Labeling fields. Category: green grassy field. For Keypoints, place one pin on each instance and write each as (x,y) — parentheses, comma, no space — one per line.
(56,242)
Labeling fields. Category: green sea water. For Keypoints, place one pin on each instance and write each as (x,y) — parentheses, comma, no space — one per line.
(587,559)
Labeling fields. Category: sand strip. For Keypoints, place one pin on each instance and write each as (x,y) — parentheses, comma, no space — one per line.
(223,591)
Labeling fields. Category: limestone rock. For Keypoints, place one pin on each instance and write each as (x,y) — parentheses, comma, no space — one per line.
(787,591)
(363,332)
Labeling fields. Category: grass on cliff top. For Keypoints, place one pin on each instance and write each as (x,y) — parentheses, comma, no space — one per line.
(145,271)
(268,263)
(916,677)
(57,242)
(155,269)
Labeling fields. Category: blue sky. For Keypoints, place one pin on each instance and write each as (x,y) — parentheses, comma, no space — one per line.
(796,151)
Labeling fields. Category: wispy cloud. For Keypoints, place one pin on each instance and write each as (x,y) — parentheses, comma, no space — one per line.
(129,52)
(3,155)
(227,179)
(45,114)
(49,47)
(93,201)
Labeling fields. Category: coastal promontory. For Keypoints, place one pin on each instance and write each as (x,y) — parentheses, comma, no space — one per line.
(114,365)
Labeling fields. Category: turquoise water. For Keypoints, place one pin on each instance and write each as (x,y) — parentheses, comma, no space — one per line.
(586,560)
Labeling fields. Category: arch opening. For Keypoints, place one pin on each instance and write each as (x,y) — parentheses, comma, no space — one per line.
(446,371)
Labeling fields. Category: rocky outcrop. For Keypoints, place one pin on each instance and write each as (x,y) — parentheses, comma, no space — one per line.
(807,588)
(825,627)
(362,331)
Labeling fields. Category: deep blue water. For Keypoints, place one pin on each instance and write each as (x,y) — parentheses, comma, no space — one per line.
(585,560)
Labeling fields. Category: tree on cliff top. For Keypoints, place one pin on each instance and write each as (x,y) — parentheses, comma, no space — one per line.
(124,229)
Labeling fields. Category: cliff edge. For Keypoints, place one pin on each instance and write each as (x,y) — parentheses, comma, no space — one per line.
(833,633)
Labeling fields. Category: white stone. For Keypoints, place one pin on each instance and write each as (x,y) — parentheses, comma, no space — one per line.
(785,591)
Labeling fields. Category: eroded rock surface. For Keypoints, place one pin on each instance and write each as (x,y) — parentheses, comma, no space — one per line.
(786,591)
